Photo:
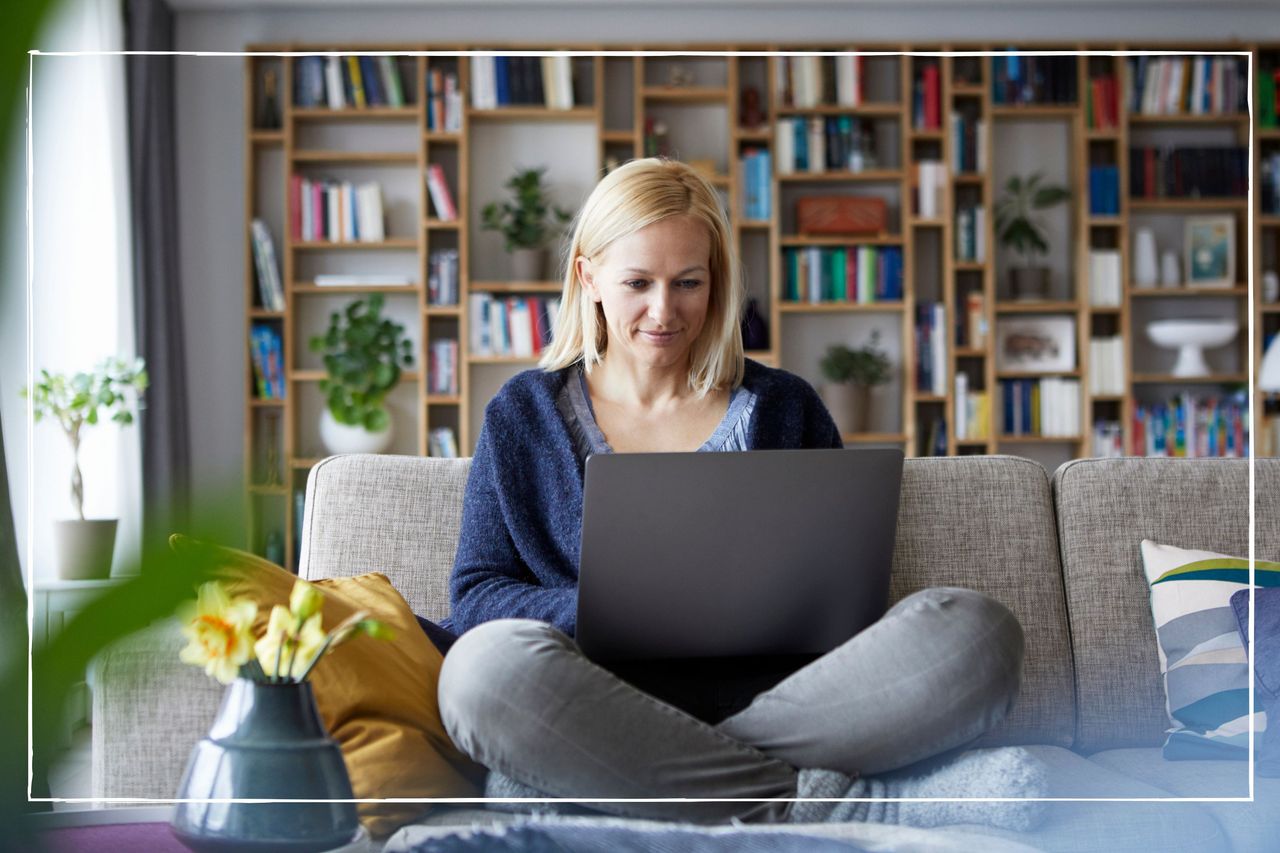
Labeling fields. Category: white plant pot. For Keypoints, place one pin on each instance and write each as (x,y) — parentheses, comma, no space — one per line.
(85,548)
(341,438)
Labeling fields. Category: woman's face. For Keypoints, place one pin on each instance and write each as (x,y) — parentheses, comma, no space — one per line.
(654,286)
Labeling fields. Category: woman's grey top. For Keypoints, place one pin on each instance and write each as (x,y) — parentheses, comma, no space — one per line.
(575,407)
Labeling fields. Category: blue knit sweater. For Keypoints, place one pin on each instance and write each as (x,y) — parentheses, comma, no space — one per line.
(522,512)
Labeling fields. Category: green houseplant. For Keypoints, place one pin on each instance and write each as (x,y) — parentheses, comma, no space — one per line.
(850,373)
(363,355)
(527,223)
(1020,229)
(77,401)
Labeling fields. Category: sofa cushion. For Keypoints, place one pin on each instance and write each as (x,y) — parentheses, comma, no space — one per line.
(987,523)
(1249,826)
(377,699)
(1105,508)
(398,515)
(1266,663)
(1205,667)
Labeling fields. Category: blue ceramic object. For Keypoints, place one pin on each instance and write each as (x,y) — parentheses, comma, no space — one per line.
(267,742)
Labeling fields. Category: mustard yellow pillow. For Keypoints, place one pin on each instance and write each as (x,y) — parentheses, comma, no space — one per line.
(377,698)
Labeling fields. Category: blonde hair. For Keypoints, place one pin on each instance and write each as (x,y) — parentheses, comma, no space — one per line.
(627,199)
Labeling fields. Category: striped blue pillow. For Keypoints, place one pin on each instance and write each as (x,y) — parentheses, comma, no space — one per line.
(1205,667)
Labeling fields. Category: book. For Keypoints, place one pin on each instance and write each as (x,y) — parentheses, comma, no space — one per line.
(389,70)
(270,290)
(441,198)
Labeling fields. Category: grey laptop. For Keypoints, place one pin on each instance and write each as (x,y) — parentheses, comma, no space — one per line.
(713,555)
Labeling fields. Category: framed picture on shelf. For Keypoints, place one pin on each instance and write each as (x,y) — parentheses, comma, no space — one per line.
(1036,343)
(1209,247)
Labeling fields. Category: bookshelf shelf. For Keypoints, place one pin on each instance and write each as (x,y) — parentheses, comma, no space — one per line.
(517,286)
(1168,379)
(1186,204)
(389,157)
(840,177)
(839,307)
(531,114)
(872,109)
(616,99)
(1035,374)
(354,113)
(1177,292)
(802,240)
(401,243)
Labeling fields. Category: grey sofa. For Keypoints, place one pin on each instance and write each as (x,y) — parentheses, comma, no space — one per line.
(1062,552)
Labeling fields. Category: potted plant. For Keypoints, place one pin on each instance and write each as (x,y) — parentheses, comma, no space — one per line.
(76,401)
(1019,229)
(363,354)
(527,225)
(850,373)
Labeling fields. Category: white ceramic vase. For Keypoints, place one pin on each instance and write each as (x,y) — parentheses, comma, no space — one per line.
(1170,270)
(1145,263)
(341,438)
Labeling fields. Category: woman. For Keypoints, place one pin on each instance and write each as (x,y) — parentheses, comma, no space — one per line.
(647,357)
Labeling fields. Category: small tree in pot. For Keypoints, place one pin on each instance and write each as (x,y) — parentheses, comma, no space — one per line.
(363,354)
(527,225)
(76,401)
(1019,229)
(850,374)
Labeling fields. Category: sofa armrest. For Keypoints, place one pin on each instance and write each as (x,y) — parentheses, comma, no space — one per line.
(149,710)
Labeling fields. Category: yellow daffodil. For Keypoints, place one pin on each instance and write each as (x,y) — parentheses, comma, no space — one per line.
(218,630)
(305,599)
(286,650)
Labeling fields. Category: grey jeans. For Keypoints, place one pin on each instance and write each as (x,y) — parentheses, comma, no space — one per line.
(937,671)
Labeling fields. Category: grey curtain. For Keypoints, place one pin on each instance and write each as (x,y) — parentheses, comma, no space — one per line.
(164,420)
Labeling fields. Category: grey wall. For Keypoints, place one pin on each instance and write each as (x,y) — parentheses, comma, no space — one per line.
(210,114)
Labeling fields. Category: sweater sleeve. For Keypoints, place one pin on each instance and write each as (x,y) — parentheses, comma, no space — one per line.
(490,580)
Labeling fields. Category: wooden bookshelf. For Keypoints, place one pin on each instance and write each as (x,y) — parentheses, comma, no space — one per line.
(615,95)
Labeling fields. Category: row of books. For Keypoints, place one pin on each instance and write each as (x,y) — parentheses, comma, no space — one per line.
(499,81)
(1048,407)
(1107,441)
(444,101)
(1268,98)
(930,180)
(512,326)
(442,442)
(1033,79)
(441,198)
(973,411)
(807,81)
(931,348)
(1104,190)
(861,274)
(757,183)
(971,326)
(1269,192)
(442,366)
(335,211)
(1102,103)
(266,267)
(968,143)
(266,353)
(1188,172)
(339,82)
(1104,278)
(1192,426)
(926,98)
(442,277)
(1106,365)
(971,228)
(817,144)
(1186,85)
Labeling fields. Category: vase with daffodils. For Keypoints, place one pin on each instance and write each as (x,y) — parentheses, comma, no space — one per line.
(268,741)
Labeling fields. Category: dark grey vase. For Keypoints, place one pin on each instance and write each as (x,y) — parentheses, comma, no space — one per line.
(267,742)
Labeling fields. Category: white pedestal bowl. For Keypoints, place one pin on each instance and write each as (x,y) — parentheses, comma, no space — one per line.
(1190,338)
